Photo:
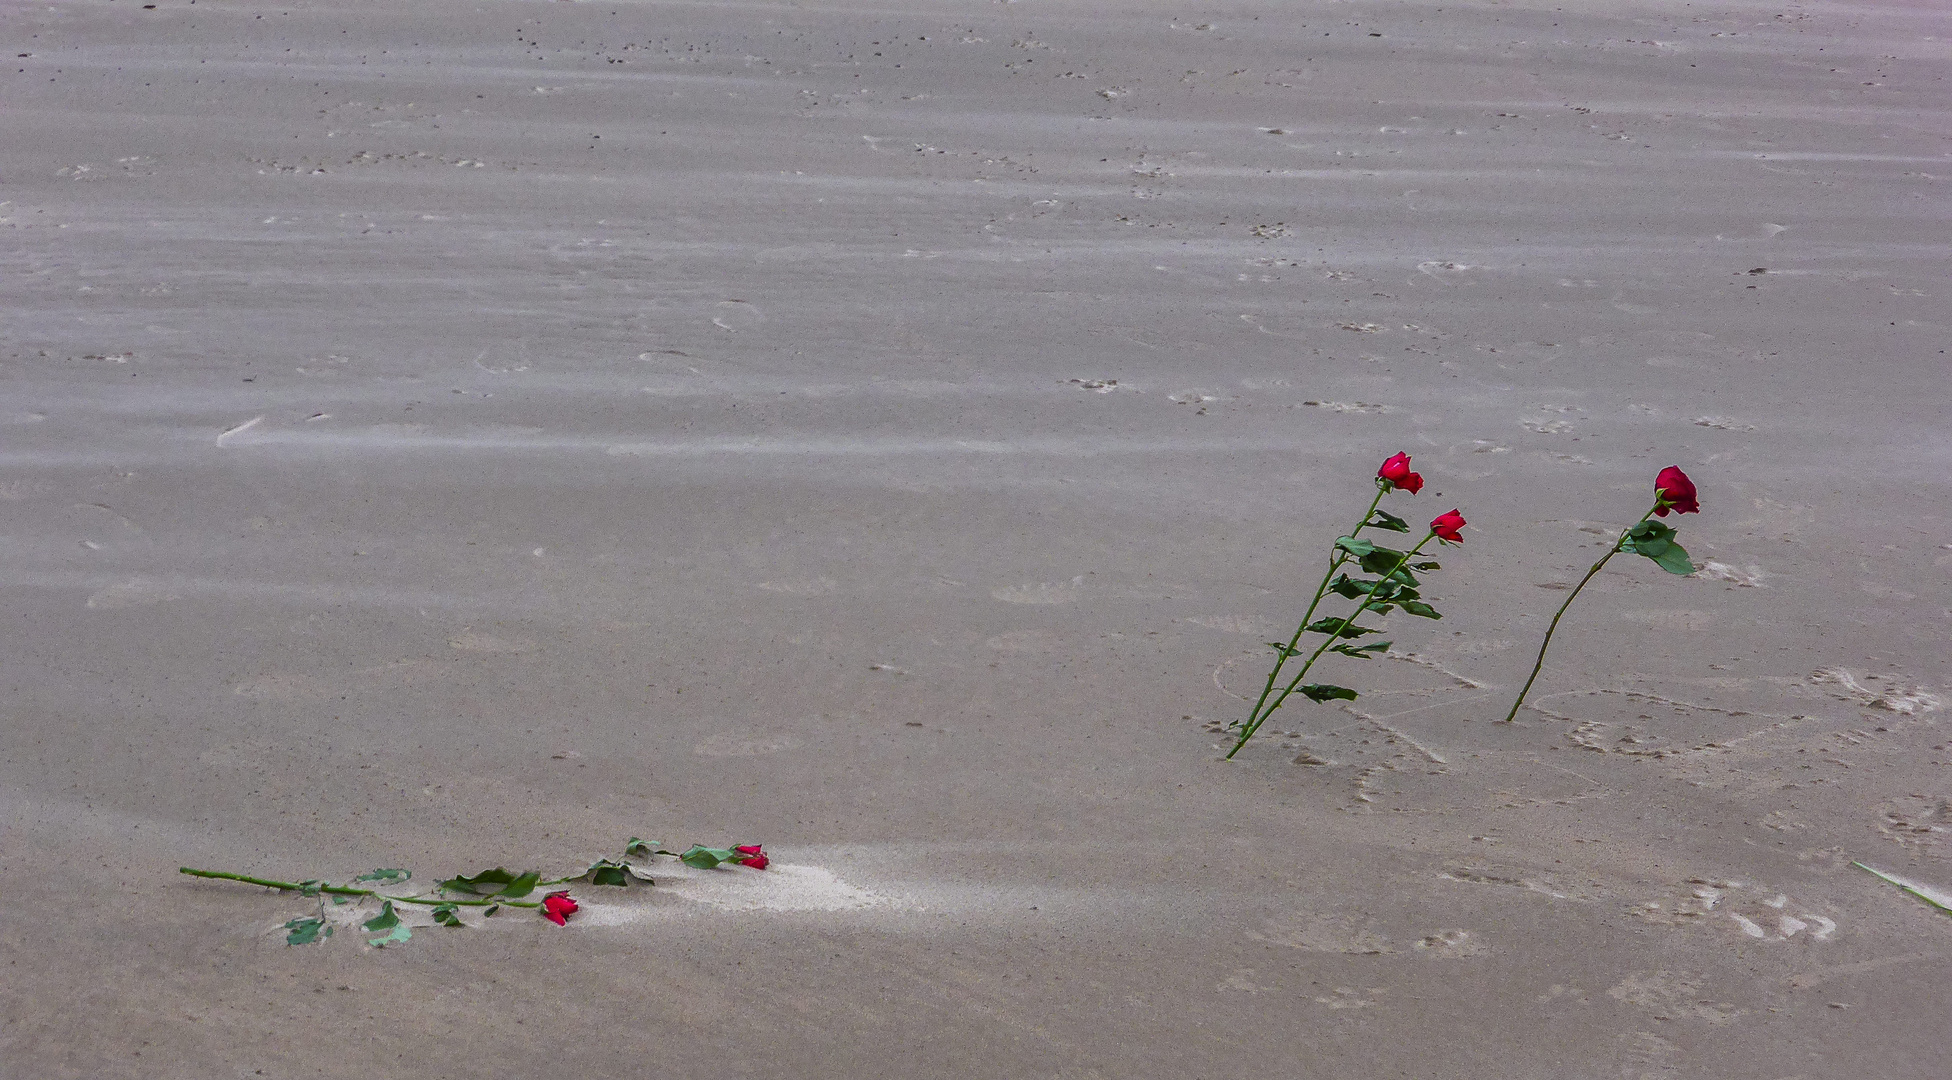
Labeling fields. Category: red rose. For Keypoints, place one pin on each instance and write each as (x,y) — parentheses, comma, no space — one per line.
(1397,471)
(755,856)
(1676,493)
(557,907)
(1446,526)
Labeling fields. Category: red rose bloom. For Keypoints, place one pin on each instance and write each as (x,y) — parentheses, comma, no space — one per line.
(1676,493)
(557,907)
(1397,471)
(755,856)
(1446,526)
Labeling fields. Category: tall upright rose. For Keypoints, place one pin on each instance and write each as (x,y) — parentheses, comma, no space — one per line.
(1675,492)
(1672,491)
(1446,525)
(1397,472)
(1394,586)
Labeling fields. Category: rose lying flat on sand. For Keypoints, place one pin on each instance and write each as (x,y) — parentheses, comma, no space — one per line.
(557,907)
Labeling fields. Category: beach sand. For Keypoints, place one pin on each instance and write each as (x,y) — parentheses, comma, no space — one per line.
(447,435)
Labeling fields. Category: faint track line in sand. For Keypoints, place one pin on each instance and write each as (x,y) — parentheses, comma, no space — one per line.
(224,438)
(1807,980)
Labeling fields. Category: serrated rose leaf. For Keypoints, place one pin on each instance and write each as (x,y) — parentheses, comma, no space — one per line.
(385,920)
(1386,520)
(1339,628)
(400,933)
(1674,560)
(306,931)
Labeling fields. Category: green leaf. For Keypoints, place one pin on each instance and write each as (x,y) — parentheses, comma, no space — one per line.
(610,872)
(521,886)
(1383,560)
(641,848)
(1418,607)
(310,888)
(1649,538)
(486,883)
(340,901)
(400,933)
(1361,652)
(1428,564)
(385,875)
(1674,560)
(1353,546)
(496,882)
(491,911)
(307,930)
(1339,628)
(704,858)
(1651,530)
(448,915)
(385,920)
(1386,520)
(1324,692)
(1283,649)
(1349,587)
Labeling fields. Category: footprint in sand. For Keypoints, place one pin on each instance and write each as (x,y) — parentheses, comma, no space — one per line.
(1748,577)
(1451,945)
(1672,995)
(1889,692)
(1317,932)
(1917,820)
(1740,910)
(736,315)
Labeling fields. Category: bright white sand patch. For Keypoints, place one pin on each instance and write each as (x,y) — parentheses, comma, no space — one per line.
(779,887)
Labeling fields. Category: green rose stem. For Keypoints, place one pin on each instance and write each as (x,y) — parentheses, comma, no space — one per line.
(1660,500)
(1333,636)
(1255,718)
(346,890)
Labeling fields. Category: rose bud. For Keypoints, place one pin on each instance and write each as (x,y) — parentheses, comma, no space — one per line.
(1676,493)
(1446,526)
(1397,471)
(557,907)
(755,856)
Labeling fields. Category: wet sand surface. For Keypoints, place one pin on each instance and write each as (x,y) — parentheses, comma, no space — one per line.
(445,435)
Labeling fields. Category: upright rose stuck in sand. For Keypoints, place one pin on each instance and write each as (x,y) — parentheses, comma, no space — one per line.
(1394,586)
(1445,527)
(1397,471)
(1672,491)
